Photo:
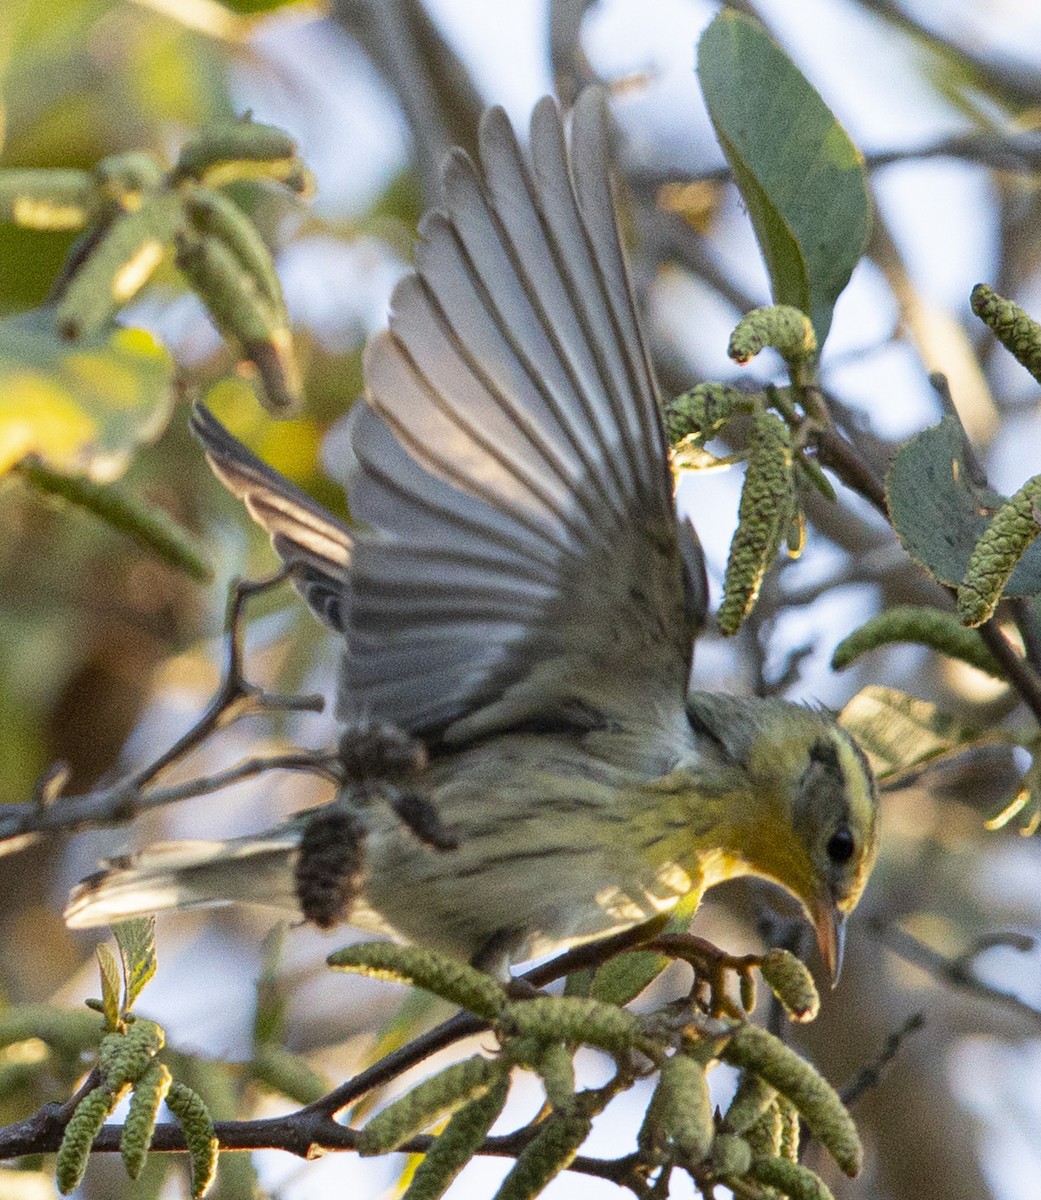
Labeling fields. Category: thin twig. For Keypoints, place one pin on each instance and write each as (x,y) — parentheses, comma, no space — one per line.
(956,972)
(870,1076)
(235,697)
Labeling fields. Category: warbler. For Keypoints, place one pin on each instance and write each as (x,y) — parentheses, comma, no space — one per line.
(517,595)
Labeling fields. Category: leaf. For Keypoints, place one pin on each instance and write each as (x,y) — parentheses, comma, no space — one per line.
(897,731)
(940,513)
(110,985)
(252,7)
(800,175)
(136,940)
(623,978)
(80,406)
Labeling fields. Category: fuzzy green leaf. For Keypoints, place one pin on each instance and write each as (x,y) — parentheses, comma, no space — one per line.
(940,513)
(111,985)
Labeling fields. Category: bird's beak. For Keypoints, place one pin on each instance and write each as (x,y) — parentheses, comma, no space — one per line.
(830,926)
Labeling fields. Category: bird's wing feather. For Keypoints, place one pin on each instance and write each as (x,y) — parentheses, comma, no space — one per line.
(524,566)
(314,544)
(520,563)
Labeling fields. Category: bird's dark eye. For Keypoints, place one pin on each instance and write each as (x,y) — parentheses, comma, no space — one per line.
(841,845)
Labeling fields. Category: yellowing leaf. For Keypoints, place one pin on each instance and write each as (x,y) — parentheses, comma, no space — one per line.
(83,406)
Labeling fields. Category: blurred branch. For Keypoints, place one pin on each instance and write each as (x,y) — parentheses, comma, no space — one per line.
(235,697)
(870,1076)
(1019,87)
(436,94)
(312,1129)
(958,972)
(1013,150)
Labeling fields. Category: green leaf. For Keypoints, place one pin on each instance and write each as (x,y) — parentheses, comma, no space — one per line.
(800,175)
(110,985)
(940,514)
(898,732)
(624,977)
(136,940)
(253,7)
(83,406)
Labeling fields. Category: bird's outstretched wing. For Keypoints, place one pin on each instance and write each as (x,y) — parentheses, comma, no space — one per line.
(521,562)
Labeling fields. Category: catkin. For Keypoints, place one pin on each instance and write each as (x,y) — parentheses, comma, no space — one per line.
(767,504)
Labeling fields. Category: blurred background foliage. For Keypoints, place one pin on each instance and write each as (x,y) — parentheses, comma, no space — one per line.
(106,653)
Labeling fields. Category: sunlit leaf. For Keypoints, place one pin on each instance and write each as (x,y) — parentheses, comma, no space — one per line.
(111,984)
(898,732)
(136,939)
(625,976)
(79,406)
(800,175)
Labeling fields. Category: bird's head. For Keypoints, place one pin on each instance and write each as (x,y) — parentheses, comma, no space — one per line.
(811,819)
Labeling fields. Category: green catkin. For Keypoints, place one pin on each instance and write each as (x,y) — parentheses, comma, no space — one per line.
(786,329)
(457,1144)
(703,411)
(190,1110)
(1018,332)
(767,503)
(572,1019)
(556,1068)
(441,974)
(731,1155)
(45,199)
(139,1126)
(751,1100)
(124,1057)
(791,1129)
(550,1151)
(1011,530)
(941,631)
(428,1102)
(224,144)
(747,990)
(789,1178)
(83,1127)
(683,1108)
(215,215)
(119,265)
(244,315)
(230,292)
(754,1049)
(125,178)
(790,981)
(765,1134)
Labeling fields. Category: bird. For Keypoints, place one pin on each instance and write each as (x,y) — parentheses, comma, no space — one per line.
(516,597)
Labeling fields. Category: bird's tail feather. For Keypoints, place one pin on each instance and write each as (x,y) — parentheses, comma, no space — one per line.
(251,870)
